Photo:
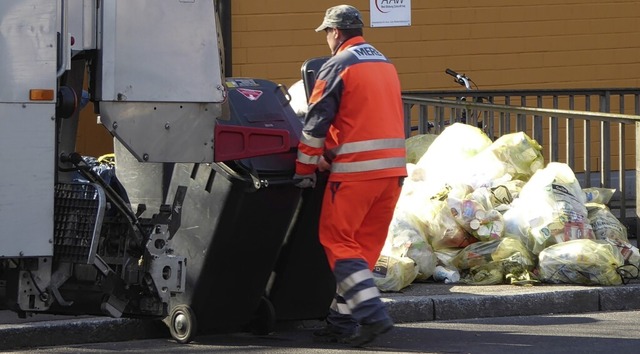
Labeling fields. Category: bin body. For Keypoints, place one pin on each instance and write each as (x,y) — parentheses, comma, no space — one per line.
(231,235)
(231,230)
(304,285)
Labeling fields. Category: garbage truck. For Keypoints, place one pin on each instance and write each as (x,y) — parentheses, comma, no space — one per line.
(196,220)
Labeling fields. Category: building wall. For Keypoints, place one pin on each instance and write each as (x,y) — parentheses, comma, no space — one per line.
(497,43)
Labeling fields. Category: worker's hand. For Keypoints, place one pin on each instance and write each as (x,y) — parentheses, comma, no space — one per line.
(323,165)
(305,181)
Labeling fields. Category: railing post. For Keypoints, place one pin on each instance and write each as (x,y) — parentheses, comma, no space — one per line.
(637,178)
(407,120)
(636,104)
(605,142)
(537,133)
(570,136)
(554,139)
(586,141)
(423,120)
(622,166)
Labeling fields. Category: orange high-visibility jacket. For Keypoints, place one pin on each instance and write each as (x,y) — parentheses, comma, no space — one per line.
(355,117)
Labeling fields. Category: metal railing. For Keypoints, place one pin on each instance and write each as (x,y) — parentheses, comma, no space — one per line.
(591,130)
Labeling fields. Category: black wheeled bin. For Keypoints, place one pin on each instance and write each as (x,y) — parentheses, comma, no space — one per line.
(243,222)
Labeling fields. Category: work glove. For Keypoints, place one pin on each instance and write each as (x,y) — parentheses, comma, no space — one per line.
(305,181)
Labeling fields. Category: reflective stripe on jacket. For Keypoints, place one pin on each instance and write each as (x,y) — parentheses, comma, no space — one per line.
(355,117)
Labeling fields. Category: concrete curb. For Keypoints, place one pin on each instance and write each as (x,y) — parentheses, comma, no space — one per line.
(76,331)
(419,303)
(504,300)
(465,306)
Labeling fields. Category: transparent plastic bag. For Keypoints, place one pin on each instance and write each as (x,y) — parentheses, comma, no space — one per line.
(475,254)
(582,261)
(629,252)
(406,238)
(509,270)
(445,256)
(509,247)
(439,226)
(394,273)
(598,195)
(550,209)
(442,229)
(495,261)
(504,193)
(510,262)
(513,156)
(605,224)
(521,155)
(446,161)
(417,146)
(475,213)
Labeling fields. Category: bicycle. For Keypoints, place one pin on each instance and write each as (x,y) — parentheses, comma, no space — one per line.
(465,81)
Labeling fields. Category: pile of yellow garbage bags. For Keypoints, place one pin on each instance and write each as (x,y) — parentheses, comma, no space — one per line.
(492,212)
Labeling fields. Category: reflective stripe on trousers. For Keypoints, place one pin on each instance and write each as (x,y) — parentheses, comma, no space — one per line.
(358,291)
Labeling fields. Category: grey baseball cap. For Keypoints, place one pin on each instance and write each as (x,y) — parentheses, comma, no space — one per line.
(341,17)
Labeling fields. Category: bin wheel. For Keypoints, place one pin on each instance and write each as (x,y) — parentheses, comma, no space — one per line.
(264,319)
(182,324)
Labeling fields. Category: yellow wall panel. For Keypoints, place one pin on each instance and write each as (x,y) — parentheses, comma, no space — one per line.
(500,44)
(542,43)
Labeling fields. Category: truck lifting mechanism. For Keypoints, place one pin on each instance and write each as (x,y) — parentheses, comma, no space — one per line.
(199,224)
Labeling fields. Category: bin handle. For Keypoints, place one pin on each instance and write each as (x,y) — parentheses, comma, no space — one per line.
(281,182)
(285,92)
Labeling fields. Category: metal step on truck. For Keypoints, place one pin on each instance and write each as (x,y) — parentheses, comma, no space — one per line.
(199,223)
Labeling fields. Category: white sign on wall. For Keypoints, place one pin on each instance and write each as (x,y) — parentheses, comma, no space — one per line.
(390,13)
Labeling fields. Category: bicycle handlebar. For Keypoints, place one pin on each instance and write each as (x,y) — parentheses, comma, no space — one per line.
(452,73)
(460,79)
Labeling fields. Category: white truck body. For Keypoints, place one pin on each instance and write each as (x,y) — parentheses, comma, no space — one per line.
(28,52)
(159,87)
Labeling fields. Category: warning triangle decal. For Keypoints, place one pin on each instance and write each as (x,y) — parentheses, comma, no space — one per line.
(253,95)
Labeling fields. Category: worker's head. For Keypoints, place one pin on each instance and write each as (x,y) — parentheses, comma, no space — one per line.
(341,23)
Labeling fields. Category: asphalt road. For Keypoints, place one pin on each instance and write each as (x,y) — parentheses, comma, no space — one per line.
(601,332)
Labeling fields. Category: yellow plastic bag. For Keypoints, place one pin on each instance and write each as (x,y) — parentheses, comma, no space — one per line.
(598,195)
(510,270)
(417,145)
(394,273)
(521,155)
(497,262)
(476,254)
(406,238)
(474,212)
(605,224)
(442,230)
(582,261)
(550,209)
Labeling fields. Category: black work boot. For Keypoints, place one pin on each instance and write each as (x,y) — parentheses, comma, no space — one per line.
(332,334)
(367,332)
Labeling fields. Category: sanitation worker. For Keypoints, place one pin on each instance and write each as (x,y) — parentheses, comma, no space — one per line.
(355,129)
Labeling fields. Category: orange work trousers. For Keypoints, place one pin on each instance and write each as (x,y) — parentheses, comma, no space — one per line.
(355,218)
